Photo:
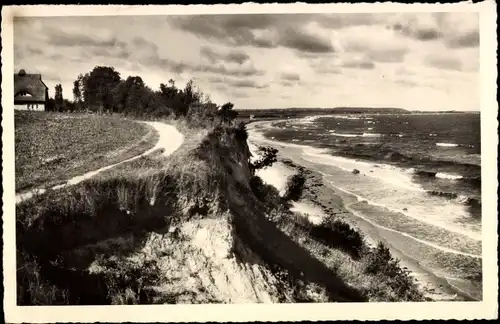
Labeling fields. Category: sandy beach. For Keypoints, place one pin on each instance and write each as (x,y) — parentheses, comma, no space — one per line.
(322,199)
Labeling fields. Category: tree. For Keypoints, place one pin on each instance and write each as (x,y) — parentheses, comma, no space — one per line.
(77,94)
(58,98)
(98,86)
(130,96)
(226,112)
(136,94)
(268,155)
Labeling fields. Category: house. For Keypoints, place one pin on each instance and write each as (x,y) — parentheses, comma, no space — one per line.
(30,93)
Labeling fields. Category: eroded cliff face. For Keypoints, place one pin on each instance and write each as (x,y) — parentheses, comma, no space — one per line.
(196,234)
(202,258)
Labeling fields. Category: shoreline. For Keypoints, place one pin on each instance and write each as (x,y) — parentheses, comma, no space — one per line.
(333,201)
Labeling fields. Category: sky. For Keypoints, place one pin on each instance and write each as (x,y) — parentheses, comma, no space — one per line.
(416,61)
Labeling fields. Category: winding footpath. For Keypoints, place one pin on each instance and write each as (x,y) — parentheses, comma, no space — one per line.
(170,139)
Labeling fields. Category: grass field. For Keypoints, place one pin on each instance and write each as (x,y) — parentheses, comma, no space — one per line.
(50,148)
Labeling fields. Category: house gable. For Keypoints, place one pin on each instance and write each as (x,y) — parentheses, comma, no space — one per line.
(29,88)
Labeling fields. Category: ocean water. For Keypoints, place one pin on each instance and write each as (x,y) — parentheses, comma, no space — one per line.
(419,180)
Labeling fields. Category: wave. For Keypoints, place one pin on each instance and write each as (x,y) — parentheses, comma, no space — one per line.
(371,135)
(446,227)
(346,117)
(447,144)
(391,209)
(448,176)
(395,175)
(475,181)
(344,135)
(332,132)
(464,200)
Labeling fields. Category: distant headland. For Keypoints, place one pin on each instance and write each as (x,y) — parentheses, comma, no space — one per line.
(303,112)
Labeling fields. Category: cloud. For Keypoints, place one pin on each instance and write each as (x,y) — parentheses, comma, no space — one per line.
(470,39)
(247,84)
(434,57)
(236,82)
(230,29)
(423,33)
(455,29)
(30,50)
(290,76)
(406,83)
(339,21)
(75,37)
(325,65)
(303,41)
(388,56)
(289,79)
(445,62)
(232,56)
(268,31)
(364,64)
(239,94)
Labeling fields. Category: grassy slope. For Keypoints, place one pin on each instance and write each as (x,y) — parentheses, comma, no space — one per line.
(51,147)
(192,228)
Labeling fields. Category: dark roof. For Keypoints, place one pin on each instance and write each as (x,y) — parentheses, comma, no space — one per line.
(31,84)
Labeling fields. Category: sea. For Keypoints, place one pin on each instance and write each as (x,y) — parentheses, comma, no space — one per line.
(417,178)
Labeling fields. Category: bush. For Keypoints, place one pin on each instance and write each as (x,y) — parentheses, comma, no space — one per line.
(267,194)
(337,234)
(267,158)
(295,187)
(379,262)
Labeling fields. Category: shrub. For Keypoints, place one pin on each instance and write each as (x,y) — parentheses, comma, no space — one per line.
(379,262)
(267,194)
(32,288)
(267,158)
(337,234)
(295,187)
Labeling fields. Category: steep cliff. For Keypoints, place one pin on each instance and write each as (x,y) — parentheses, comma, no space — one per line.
(184,230)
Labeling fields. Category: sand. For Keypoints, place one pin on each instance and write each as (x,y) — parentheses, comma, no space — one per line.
(320,198)
(170,139)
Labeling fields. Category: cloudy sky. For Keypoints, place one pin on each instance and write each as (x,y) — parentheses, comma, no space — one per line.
(424,61)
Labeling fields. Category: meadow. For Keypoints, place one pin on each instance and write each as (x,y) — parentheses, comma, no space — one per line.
(52,147)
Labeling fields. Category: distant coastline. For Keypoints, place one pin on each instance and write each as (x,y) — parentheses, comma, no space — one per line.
(273,113)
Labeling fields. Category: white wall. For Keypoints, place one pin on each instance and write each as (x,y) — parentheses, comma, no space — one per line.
(35,107)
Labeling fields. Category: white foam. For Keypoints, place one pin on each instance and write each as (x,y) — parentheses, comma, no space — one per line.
(447,144)
(438,247)
(441,223)
(310,119)
(444,226)
(443,175)
(345,117)
(345,135)
(387,173)
(371,135)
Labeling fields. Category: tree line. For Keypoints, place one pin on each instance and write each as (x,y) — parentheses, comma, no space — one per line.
(102,90)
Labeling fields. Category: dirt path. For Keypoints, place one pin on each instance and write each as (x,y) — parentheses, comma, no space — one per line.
(170,139)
